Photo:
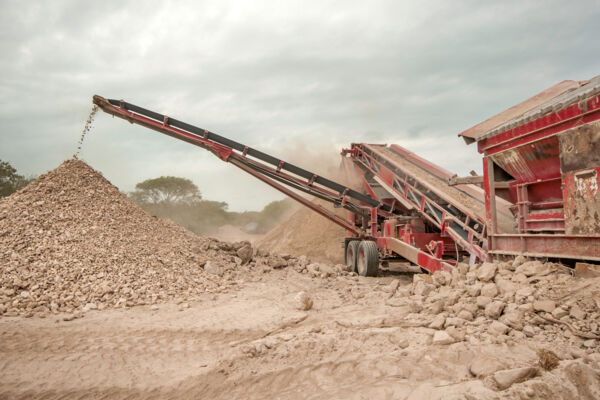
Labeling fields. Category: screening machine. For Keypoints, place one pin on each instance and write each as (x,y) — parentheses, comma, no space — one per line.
(538,196)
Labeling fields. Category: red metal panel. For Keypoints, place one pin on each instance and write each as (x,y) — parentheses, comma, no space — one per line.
(531,162)
(578,247)
(416,256)
(550,124)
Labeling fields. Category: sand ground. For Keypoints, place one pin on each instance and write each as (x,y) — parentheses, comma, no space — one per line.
(252,342)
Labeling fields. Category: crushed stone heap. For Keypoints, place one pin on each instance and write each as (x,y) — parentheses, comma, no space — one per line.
(71,240)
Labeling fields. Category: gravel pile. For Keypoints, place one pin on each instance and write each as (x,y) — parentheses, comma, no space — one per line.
(504,302)
(71,242)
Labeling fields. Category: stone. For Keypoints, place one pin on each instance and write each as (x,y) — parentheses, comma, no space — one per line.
(514,319)
(483,366)
(498,328)
(441,278)
(245,253)
(590,343)
(489,290)
(471,307)
(436,307)
(523,293)
(456,333)
(154,307)
(559,312)
(483,301)
(494,309)
(442,338)
(487,271)
(214,268)
(528,330)
(531,268)
(505,286)
(423,289)
(463,268)
(577,313)
(279,262)
(438,322)
(466,315)
(544,305)
(518,261)
(303,301)
(506,378)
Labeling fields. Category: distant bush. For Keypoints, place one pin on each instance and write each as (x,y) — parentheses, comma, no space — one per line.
(10,181)
(180,200)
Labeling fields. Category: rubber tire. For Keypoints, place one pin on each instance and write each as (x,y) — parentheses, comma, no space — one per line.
(350,254)
(367,259)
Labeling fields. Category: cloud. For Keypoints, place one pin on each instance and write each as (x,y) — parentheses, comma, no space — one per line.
(274,75)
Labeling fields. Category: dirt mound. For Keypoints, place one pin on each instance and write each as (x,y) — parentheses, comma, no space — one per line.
(308,233)
(71,240)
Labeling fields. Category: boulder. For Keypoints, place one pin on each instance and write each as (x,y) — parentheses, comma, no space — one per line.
(475,289)
(456,333)
(438,322)
(531,268)
(483,366)
(494,309)
(529,330)
(514,319)
(577,313)
(420,288)
(441,278)
(489,290)
(467,315)
(436,307)
(517,262)
(559,312)
(498,328)
(278,262)
(505,378)
(483,301)
(487,271)
(505,286)
(442,337)
(544,305)
(245,253)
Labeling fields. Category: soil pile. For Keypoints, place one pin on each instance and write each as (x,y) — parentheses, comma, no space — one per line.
(71,241)
(307,233)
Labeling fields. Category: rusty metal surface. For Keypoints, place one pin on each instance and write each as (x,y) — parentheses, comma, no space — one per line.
(582,202)
(479,130)
(580,147)
(530,163)
(577,247)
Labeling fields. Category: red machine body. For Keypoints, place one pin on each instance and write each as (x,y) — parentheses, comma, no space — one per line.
(543,156)
(538,195)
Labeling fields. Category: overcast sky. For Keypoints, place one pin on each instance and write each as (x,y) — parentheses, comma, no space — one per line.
(298,79)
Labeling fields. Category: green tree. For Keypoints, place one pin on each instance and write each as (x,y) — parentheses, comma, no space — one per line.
(166,189)
(10,181)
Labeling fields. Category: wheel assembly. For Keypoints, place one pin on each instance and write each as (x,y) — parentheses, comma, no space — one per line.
(367,259)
